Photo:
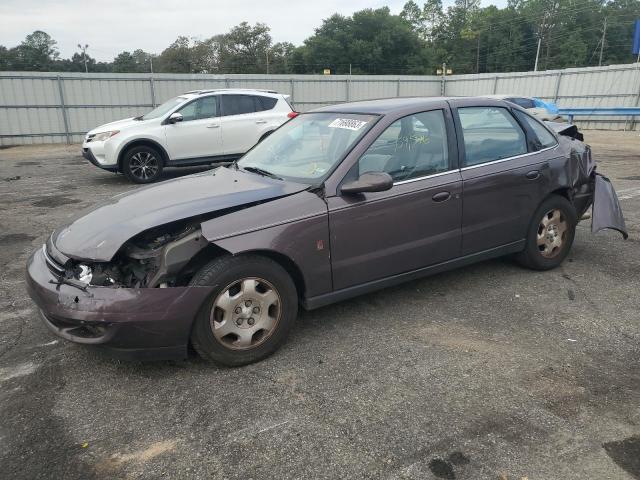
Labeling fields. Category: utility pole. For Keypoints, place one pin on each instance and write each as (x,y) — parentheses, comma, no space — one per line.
(267,53)
(478,55)
(604,33)
(151,62)
(535,67)
(84,56)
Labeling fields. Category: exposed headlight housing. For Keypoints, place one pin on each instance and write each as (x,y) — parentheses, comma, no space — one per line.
(85,274)
(102,136)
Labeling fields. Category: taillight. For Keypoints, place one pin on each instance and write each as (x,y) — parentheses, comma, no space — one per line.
(292,114)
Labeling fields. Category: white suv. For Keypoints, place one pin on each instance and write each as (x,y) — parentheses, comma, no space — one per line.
(196,128)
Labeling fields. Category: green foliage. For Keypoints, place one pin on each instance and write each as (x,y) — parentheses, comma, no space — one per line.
(371,41)
(375,41)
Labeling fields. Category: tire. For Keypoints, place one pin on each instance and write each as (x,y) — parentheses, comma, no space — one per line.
(225,329)
(142,164)
(550,235)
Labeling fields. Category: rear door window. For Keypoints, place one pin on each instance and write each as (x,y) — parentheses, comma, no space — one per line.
(490,133)
(237,104)
(544,138)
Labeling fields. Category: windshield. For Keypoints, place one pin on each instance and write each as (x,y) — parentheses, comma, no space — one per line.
(306,148)
(166,107)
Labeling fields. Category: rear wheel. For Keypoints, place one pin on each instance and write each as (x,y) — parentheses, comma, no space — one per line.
(142,164)
(550,234)
(251,310)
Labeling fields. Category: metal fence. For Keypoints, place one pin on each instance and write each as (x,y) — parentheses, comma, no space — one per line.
(58,108)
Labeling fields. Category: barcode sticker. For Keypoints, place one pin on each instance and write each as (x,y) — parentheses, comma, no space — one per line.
(348,123)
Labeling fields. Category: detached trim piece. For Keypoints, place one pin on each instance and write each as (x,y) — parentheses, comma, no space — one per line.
(349,292)
(607,212)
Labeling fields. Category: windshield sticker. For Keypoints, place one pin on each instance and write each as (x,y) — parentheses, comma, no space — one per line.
(348,123)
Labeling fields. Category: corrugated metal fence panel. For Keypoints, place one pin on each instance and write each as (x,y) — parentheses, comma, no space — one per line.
(420,88)
(82,120)
(460,85)
(28,91)
(106,92)
(31,102)
(33,121)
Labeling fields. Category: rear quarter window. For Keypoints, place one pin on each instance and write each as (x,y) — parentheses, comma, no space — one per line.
(264,103)
(522,102)
(544,138)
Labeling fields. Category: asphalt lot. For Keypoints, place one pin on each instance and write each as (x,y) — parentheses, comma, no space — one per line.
(490,371)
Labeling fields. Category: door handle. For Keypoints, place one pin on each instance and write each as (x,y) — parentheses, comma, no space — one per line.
(441,197)
(533,175)
(214,125)
(261,121)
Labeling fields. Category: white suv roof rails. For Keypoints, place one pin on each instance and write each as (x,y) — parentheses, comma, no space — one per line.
(198,92)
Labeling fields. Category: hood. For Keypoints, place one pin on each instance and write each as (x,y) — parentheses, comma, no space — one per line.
(117,125)
(97,234)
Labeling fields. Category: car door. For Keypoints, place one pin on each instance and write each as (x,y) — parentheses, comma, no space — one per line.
(505,176)
(198,135)
(241,125)
(414,224)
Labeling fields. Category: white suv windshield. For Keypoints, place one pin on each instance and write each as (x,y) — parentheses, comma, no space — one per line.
(166,107)
(307,148)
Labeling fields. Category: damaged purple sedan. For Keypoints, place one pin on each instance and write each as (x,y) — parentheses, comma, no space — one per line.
(337,202)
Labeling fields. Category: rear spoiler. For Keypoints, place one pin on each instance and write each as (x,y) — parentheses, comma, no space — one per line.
(566,129)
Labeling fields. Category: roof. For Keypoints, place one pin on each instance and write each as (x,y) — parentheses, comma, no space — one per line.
(502,96)
(386,106)
(382,106)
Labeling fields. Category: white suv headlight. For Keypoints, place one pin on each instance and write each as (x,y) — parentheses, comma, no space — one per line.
(102,136)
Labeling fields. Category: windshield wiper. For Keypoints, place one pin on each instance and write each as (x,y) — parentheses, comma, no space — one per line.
(262,172)
(138,118)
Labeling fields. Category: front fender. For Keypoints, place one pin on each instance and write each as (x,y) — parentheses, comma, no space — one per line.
(295,226)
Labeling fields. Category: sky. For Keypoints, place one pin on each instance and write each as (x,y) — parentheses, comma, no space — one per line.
(110,27)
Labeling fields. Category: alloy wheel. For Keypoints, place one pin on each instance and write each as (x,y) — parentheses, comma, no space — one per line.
(143,165)
(552,233)
(245,313)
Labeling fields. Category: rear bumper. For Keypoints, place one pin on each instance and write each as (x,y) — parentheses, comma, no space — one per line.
(87,154)
(132,323)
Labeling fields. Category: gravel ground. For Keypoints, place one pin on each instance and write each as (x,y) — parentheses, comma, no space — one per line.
(490,371)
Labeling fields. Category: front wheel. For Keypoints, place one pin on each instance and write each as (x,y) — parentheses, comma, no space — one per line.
(142,164)
(251,310)
(550,235)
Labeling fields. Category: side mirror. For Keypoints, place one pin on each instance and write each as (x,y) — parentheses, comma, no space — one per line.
(369,182)
(175,117)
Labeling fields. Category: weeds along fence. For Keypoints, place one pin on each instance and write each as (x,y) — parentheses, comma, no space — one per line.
(41,107)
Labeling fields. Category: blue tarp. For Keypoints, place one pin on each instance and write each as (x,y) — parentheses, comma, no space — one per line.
(636,38)
(549,106)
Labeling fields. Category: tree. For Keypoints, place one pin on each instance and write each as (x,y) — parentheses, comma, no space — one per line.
(125,63)
(465,36)
(37,52)
(370,41)
(244,49)
(177,57)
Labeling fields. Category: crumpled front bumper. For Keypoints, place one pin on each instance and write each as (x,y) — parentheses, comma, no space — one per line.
(133,323)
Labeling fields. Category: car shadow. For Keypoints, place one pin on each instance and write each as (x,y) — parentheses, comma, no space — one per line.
(329,321)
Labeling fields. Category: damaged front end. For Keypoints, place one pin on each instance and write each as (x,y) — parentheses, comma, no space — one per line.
(154,258)
(114,304)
